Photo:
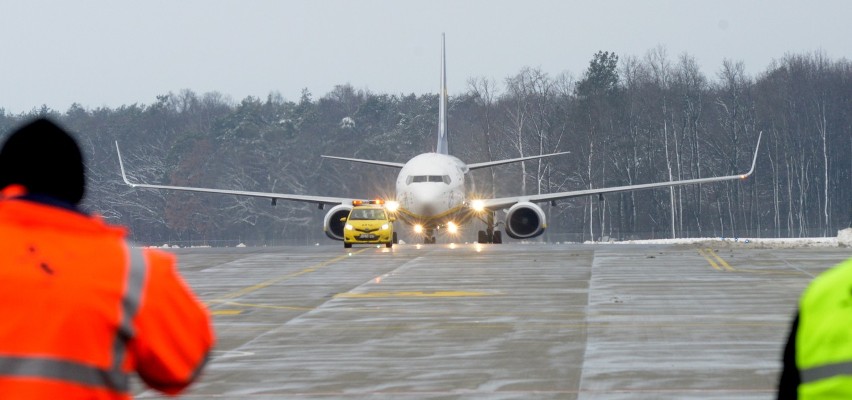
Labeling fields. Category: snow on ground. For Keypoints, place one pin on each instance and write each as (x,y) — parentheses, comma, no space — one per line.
(843,239)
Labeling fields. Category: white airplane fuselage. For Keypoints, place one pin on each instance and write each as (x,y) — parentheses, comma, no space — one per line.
(430,190)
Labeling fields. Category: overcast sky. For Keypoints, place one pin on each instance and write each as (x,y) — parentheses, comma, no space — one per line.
(110,53)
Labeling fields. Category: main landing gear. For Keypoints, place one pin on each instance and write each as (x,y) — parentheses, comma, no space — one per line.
(489,235)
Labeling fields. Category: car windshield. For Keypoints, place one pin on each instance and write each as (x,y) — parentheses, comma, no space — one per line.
(367,213)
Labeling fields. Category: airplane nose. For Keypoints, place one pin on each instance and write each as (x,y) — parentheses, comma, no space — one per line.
(427,202)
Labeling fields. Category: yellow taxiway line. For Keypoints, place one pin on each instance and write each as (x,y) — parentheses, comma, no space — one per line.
(715,261)
(225,312)
(379,295)
(253,288)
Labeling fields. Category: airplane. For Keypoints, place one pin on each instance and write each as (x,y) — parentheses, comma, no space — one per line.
(431,193)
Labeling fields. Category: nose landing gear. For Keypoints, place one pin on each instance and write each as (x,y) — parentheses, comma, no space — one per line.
(428,237)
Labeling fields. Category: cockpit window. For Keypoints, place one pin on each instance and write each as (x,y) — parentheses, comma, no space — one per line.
(427,178)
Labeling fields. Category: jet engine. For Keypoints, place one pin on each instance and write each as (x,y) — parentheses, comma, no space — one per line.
(525,220)
(331,223)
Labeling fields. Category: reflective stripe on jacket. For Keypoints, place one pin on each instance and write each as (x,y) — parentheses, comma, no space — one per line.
(824,336)
(82,310)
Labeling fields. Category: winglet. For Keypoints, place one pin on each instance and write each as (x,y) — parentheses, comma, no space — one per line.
(754,160)
(121,165)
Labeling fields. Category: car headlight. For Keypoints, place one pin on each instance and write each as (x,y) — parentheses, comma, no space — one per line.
(348,227)
(385,227)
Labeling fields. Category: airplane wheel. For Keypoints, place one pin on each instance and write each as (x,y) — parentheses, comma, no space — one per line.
(395,239)
(482,237)
(347,245)
(498,237)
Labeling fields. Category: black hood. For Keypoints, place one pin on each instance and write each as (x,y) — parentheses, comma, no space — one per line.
(46,160)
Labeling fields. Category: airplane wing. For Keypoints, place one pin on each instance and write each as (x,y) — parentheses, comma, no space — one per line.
(500,162)
(320,200)
(361,160)
(469,166)
(504,202)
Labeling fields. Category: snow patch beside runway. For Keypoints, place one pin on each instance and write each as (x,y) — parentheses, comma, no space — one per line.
(843,239)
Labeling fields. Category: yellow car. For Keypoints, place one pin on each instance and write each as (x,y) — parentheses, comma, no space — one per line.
(368,223)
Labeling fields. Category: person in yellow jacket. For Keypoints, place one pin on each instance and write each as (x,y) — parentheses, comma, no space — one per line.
(82,309)
(817,361)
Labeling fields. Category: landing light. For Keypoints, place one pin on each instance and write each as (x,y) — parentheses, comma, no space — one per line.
(477,205)
(452,227)
(392,206)
(418,228)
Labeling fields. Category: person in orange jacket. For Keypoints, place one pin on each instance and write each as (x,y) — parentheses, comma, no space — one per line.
(82,310)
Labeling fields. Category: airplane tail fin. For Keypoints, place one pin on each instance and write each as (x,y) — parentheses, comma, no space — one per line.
(443,146)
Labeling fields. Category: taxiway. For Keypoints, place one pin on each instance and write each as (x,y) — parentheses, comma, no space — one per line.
(498,321)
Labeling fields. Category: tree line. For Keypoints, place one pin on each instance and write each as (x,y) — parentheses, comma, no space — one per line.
(625,120)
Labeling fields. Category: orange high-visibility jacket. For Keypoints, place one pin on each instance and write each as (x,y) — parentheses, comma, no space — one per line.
(80,310)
